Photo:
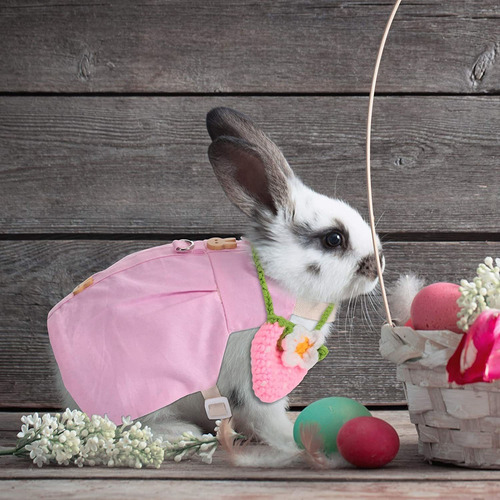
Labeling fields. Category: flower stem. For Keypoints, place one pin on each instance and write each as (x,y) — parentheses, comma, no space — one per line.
(8,451)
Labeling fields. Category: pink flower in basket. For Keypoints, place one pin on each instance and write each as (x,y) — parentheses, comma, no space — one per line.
(477,358)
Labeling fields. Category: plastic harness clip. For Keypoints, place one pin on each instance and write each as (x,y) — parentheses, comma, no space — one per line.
(217,408)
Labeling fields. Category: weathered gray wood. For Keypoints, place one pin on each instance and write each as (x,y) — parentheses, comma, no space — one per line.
(275,489)
(134,165)
(268,46)
(407,466)
(35,275)
(405,477)
(15,468)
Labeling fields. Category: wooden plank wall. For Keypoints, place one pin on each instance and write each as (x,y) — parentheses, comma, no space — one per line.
(103,146)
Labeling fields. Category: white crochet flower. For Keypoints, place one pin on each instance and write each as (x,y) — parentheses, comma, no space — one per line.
(300,348)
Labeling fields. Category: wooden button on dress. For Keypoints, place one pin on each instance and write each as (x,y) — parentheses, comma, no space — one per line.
(221,243)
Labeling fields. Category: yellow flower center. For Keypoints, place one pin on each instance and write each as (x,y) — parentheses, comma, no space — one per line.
(303,347)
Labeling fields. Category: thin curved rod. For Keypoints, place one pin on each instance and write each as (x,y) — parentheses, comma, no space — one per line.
(368,164)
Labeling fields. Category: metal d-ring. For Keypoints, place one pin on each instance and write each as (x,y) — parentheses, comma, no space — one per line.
(190,246)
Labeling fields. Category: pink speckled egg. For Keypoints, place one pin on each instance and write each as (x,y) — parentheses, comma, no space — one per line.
(435,308)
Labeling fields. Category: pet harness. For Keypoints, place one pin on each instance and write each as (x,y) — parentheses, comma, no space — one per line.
(153,328)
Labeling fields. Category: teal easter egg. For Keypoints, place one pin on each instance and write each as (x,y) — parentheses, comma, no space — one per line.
(329,414)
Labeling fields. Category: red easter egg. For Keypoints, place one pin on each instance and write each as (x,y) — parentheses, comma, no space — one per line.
(368,442)
(435,308)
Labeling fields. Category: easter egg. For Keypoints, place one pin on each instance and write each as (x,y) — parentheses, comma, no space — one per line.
(435,308)
(329,414)
(368,442)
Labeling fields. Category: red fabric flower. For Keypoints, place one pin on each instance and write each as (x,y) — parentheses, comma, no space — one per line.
(477,358)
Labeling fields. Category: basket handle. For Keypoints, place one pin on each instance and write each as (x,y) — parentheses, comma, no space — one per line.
(368,164)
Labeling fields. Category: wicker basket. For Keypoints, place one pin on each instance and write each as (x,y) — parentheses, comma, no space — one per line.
(455,424)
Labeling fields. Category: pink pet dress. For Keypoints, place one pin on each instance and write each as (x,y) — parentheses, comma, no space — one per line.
(153,327)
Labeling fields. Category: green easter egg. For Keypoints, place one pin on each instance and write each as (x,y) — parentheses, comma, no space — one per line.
(330,414)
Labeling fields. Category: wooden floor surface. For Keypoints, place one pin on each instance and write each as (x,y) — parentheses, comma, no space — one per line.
(103,152)
(408,476)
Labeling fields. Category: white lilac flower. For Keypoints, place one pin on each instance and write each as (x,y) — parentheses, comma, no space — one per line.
(72,437)
(136,447)
(188,445)
(127,421)
(300,348)
(25,431)
(482,293)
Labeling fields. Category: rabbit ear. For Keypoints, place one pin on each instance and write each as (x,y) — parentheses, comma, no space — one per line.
(251,178)
(228,122)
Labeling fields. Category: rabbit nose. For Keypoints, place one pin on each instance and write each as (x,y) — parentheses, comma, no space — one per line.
(368,267)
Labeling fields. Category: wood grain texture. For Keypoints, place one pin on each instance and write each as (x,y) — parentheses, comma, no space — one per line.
(37,274)
(132,163)
(407,466)
(245,46)
(139,164)
(234,490)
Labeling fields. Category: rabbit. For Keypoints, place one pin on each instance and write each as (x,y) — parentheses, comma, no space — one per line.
(315,247)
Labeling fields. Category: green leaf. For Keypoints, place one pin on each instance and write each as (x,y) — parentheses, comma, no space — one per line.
(322,352)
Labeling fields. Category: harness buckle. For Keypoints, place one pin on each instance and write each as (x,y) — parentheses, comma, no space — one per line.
(217,408)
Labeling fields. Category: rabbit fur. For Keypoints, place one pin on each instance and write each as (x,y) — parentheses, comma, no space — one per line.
(316,247)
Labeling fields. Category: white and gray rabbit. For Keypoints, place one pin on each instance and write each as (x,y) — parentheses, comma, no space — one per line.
(317,248)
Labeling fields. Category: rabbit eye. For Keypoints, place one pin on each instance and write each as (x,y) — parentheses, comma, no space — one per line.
(333,240)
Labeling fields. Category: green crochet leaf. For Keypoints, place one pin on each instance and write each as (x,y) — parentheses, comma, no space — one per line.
(322,352)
